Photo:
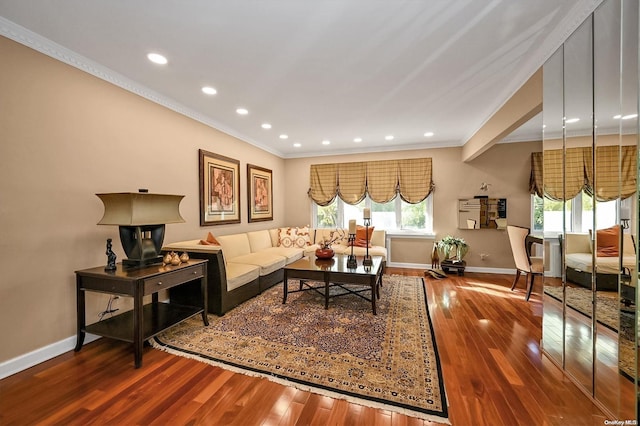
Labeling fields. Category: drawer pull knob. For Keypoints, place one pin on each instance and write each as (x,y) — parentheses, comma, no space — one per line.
(159,282)
(195,272)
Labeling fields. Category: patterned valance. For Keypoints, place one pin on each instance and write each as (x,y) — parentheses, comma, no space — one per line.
(381,180)
(564,174)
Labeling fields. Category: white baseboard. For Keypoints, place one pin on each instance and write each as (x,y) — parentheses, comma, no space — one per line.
(482,269)
(467,269)
(22,362)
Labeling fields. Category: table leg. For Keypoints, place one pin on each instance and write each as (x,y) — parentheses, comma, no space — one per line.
(137,325)
(326,292)
(285,286)
(374,285)
(80,314)
(205,297)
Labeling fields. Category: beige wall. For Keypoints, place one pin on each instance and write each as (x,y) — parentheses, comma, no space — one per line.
(66,135)
(505,166)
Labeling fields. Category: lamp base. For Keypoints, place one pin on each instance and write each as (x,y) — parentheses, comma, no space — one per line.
(367,261)
(140,263)
(352,263)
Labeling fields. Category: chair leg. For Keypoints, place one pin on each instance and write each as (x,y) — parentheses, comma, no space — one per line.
(530,278)
(516,280)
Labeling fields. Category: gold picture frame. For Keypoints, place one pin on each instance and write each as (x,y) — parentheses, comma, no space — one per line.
(219,189)
(259,193)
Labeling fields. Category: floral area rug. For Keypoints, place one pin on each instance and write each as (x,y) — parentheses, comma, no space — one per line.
(387,361)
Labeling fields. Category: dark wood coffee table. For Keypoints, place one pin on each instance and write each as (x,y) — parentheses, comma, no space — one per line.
(335,273)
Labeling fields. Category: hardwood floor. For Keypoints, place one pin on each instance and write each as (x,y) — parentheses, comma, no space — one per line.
(488,339)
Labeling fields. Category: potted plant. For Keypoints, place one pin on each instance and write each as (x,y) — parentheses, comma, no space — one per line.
(452,248)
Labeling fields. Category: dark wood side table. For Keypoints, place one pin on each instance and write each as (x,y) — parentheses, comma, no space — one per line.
(446,265)
(144,321)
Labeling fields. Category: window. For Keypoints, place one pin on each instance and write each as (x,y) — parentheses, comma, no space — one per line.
(578,214)
(394,215)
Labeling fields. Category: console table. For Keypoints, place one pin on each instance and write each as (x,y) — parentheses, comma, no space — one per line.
(144,321)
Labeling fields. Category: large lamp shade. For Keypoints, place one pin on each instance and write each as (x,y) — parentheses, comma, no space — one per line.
(141,218)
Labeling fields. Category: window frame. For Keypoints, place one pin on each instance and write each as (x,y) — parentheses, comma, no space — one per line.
(428,230)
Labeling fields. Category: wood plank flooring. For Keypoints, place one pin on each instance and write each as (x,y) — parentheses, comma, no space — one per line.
(488,339)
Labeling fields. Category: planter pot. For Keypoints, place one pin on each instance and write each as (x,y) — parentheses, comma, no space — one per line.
(324,253)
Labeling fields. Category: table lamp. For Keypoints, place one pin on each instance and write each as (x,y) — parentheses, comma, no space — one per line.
(141,218)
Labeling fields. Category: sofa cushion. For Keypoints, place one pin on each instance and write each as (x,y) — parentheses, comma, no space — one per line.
(239,274)
(234,245)
(259,240)
(291,254)
(268,262)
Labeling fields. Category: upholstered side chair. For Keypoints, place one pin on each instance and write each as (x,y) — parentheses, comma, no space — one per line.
(531,266)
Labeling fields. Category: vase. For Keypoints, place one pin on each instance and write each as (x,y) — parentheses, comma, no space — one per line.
(324,253)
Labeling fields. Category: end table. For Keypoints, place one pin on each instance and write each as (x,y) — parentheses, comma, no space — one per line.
(144,321)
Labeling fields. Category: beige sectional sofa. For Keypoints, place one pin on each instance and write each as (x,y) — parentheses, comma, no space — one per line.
(246,264)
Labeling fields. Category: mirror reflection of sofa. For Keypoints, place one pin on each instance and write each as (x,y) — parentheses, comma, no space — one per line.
(579,258)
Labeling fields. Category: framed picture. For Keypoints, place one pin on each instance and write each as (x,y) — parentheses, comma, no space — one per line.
(260,193)
(219,189)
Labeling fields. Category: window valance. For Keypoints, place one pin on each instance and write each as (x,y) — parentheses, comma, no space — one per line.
(568,172)
(381,180)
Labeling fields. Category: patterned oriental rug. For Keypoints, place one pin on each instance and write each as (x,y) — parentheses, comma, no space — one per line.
(387,361)
(608,313)
(579,298)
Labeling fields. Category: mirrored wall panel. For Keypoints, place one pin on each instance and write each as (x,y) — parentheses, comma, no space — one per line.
(590,204)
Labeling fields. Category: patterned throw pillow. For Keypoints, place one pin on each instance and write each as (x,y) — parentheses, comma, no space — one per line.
(294,237)
(287,237)
(302,237)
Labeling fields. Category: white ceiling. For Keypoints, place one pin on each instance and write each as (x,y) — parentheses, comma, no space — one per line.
(315,70)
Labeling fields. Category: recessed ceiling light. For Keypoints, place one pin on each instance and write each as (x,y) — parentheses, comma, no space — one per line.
(297,145)
(357,140)
(157,58)
(283,136)
(326,142)
(428,134)
(617,117)
(630,116)
(209,90)
(572,120)
(388,137)
(242,111)
(266,126)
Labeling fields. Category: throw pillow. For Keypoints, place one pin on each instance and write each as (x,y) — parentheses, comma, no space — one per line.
(608,242)
(210,241)
(362,237)
(302,239)
(287,237)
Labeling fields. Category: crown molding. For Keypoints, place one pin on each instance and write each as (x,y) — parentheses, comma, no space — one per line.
(35,41)
(394,148)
